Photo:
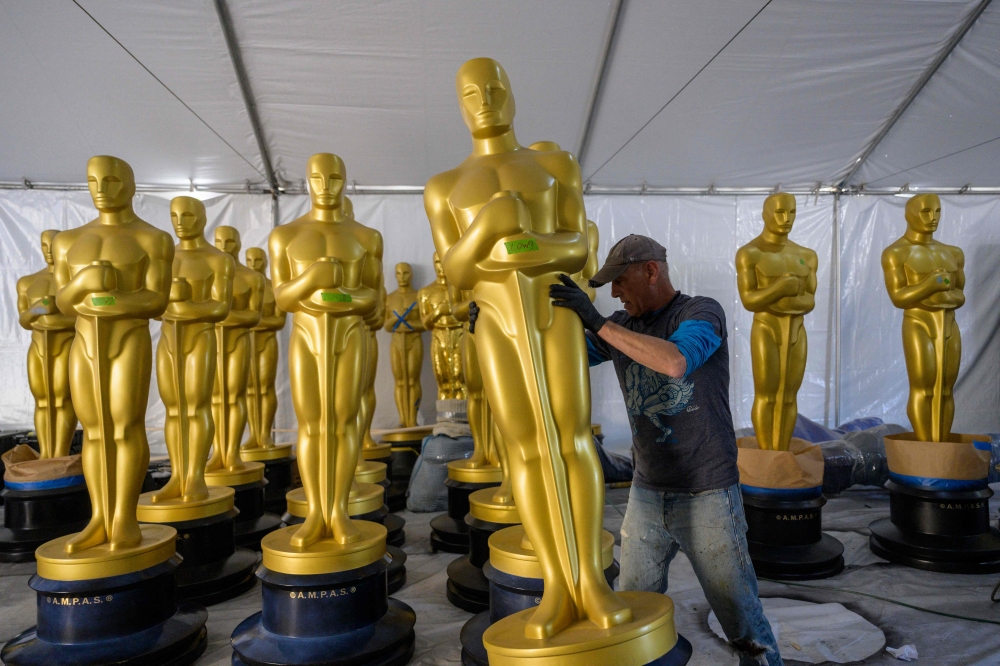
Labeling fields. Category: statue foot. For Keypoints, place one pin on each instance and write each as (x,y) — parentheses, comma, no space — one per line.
(344,531)
(504,495)
(310,532)
(196,492)
(125,535)
(268,443)
(603,607)
(170,491)
(91,535)
(251,443)
(554,614)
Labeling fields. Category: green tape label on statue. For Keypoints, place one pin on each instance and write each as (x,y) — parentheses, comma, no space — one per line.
(336,298)
(102,301)
(516,247)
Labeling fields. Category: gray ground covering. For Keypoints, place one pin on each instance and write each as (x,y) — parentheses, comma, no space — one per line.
(941,641)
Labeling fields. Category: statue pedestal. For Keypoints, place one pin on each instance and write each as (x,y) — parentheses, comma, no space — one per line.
(448,530)
(213,568)
(32,516)
(406,447)
(468,588)
(253,522)
(326,606)
(364,503)
(497,636)
(278,461)
(101,606)
(938,506)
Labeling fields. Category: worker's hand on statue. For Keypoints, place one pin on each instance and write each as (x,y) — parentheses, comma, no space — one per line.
(788,285)
(473,316)
(569,295)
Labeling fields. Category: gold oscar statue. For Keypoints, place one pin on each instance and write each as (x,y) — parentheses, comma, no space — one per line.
(777,282)
(327,271)
(186,358)
(229,396)
(262,399)
(925,279)
(446,335)
(48,356)
(113,275)
(506,222)
(406,348)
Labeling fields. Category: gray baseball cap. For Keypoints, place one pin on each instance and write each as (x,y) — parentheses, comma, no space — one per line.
(630,250)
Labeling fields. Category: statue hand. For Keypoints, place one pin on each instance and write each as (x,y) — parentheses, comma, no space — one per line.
(941,280)
(180,290)
(505,215)
(98,277)
(325,273)
(788,285)
(44,306)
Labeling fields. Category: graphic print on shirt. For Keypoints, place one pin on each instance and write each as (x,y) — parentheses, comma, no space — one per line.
(653,395)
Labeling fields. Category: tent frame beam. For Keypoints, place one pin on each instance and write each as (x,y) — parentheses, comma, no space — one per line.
(602,77)
(226,21)
(928,74)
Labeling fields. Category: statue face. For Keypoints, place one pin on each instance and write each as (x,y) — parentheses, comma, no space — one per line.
(257,259)
(48,236)
(404,275)
(923,213)
(111,183)
(779,213)
(485,97)
(438,267)
(326,174)
(187,214)
(227,239)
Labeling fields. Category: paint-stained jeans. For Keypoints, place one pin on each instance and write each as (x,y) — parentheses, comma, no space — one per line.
(711,528)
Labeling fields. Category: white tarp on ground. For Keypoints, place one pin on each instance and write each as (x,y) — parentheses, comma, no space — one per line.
(701,234)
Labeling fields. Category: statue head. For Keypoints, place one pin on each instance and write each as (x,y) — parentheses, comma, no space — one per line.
(439,268)
(227,239)
(404,275)
(48,236)
(111,183)
(187,214)
(545,146)
(923,212)
(326,173)
(256,259)
(485,97)
(779,213)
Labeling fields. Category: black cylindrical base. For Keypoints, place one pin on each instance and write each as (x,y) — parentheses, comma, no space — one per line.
(510,594)
(395,496)
(786,539)
(335,619)
(278,474)
(468,588)
(403,460)
(131,619)
(32,517)
(448,530)
(213,569)
(944,531)
(253,523)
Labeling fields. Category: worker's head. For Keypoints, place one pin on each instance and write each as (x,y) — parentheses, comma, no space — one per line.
(111,183)
(48,236)
(256,259)
(779,213)
(923,212)
(404,275)
(485,97)
(227,239)
(636,267)
(326,173)
(187,214)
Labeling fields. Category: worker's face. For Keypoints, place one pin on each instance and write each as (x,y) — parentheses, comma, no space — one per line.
(635,287)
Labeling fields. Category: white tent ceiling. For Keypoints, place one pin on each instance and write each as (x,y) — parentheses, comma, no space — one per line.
(794,97)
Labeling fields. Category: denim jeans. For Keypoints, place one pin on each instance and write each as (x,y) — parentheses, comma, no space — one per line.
(711,528)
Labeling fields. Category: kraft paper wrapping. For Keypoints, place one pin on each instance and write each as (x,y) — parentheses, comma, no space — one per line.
(24,466)
(799,467)
(957,460)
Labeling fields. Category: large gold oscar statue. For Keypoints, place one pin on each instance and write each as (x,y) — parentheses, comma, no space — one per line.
(777,282)
(446,335)
(113,275)
(507,221)
(925,279)
(327,271)
(406,348)
(48,356)
(262,399)
(229,396)
(186,357)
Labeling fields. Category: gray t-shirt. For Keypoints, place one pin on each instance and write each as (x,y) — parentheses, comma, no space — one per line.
(682,429)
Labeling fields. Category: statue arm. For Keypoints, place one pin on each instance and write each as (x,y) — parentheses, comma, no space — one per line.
(25,316)
(752,296)
(958,288)
(216,308)
(251,316)
(149,302)
(460,300)
(905,296)
(289,292)
(274,322)
(426,316)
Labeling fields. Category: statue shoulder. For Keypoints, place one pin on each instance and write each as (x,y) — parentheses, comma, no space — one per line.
(897,252)
(437,192)
(749,254)
(370,239)
(562,165)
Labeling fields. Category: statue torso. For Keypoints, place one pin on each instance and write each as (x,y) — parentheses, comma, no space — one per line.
(435,297)
(122,245)
(315,240)
(775,262)
(397,303)
(196,266)
(922,260)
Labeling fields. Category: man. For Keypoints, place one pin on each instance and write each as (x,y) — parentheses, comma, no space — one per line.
(670,353)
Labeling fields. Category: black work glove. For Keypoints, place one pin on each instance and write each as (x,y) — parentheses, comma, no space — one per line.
(569,295)
(473,316)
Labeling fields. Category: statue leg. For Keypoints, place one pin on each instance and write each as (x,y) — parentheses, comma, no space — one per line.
(171,424)
(457,372)
(921,369)
(65,413)
(268,372)
(130,375)
(346,442)
(798,352)
(568,380)
(952,360)
(476,405)
(368,398)
(304,373)
(199,376)
(504,493)
(36,382)
(414,363)
(397,359)
(764,361)
(215,460)
(238,372)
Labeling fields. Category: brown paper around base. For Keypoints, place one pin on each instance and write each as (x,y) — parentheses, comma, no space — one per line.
(24,466)
(957,460)
(801,466)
